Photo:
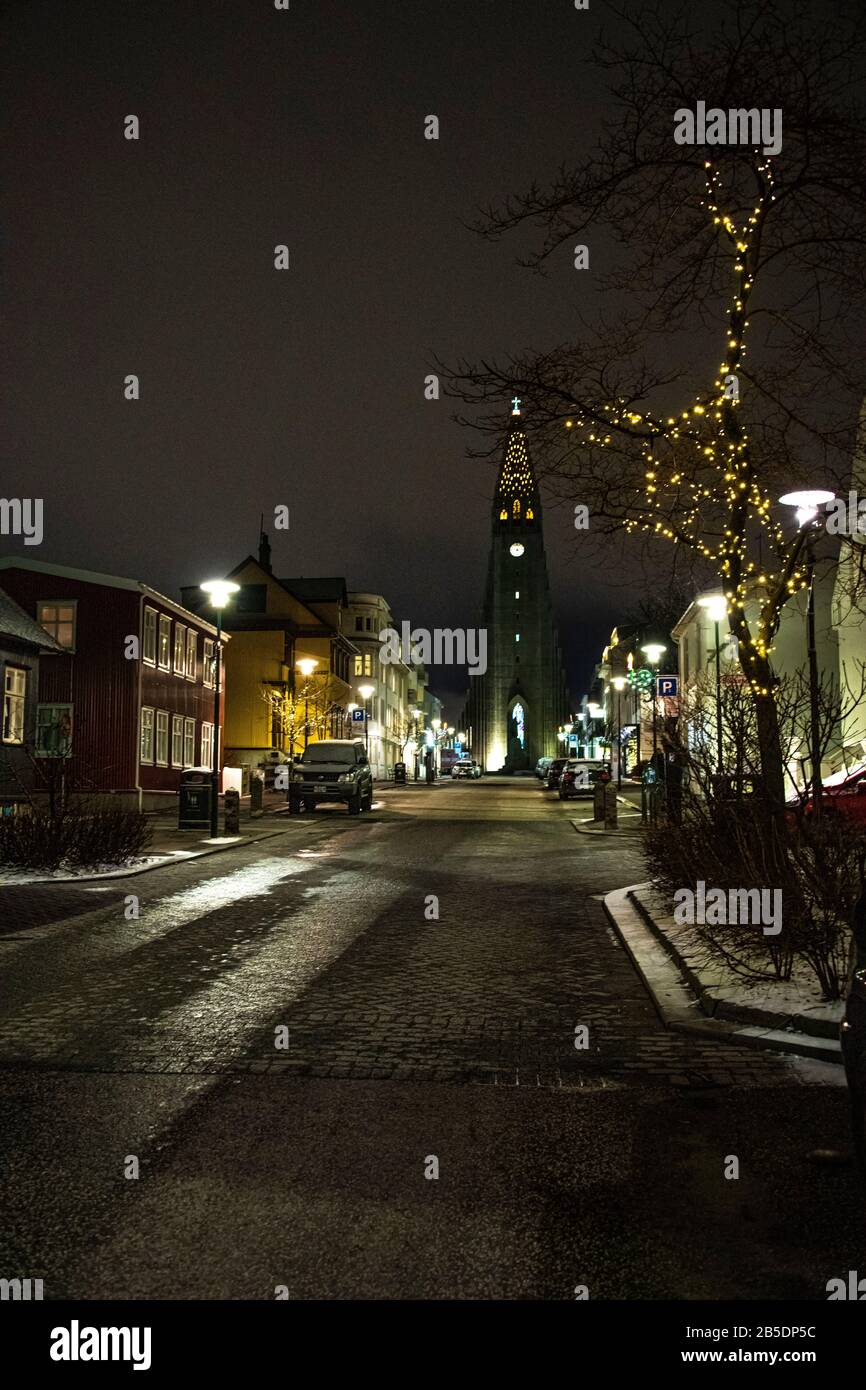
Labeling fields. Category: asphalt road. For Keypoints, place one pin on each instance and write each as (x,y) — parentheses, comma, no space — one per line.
(287,1039)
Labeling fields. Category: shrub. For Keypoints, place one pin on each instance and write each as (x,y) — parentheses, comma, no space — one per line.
(81,836)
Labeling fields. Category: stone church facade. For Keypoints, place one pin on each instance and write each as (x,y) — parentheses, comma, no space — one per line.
(514,711)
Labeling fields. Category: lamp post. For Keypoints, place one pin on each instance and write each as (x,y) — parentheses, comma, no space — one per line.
(366,692)
(716,608)
(618,684)
(653,651)
(807,504)
(219,591)
(306,666)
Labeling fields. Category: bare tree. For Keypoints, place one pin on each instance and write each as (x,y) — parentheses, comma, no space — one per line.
(726,368)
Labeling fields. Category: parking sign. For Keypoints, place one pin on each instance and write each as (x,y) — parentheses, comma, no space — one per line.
(667,686)
(357,716)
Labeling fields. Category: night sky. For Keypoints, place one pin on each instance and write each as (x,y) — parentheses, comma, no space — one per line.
(304,388)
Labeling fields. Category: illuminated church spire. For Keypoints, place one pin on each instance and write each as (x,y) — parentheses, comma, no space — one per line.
(516,498)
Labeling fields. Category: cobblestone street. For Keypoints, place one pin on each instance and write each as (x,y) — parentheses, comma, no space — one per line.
(163,1032)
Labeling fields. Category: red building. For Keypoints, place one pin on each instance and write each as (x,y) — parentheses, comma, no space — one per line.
(129,703)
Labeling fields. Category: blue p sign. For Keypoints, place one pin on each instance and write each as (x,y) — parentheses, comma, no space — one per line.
(667,686)
(357,716)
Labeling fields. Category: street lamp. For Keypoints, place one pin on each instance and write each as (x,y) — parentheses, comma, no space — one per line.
(365,692)
(808,503)
(654,651)
(618,684)
(716,608)
(219,591)
(306,666)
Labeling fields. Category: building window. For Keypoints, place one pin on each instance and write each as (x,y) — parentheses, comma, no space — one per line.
(191,654)
(179,649)
(189,742)
(207,671)
(53,731)
(14,698)
(164,642)
(177,740)
(515,510)
(59,620)
(359,666)
(207,745)
(517,593)
(503,515)
(530,514)
(146,750)
(517,636)
(359,624)
(368,663)
(149,642)
(369,624)
(162,738)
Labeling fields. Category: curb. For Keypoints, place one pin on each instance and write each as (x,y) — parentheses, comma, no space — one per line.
(676,1003)
(586,828)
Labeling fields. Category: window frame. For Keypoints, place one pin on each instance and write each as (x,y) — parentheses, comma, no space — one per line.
(146,626)
(59,603)
(39,752)
(189,741)
(164,624)
(161,734)
(16,697)
(207,671)
(207,728)
(177,740)
(179,638)
(191,649)
(146,709)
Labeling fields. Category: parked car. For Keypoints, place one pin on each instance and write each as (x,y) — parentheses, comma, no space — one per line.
(334,769)
(554,772)
(466,768)
(846,798)
(542,767)
(580,776)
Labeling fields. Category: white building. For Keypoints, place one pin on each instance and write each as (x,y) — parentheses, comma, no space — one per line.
(396,686)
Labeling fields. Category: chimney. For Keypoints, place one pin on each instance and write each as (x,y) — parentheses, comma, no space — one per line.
(264,552)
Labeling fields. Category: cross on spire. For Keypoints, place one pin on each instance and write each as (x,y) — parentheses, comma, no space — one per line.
(516,405)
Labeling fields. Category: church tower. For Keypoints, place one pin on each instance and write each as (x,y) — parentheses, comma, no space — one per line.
(514,711)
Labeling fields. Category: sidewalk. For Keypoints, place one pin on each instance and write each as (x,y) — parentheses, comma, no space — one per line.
(692,996)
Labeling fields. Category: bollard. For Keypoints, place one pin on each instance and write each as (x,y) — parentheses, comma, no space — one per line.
(257,787)
(598,801)
(610,806)
(232,817)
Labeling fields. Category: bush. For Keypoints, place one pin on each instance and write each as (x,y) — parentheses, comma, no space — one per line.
(79,837)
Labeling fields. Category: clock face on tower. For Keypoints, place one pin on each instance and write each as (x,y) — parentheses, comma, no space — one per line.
(517,548)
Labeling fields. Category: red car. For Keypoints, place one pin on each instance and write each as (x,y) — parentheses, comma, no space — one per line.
(846,798)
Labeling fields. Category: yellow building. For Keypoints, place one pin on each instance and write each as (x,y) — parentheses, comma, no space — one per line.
(287,681)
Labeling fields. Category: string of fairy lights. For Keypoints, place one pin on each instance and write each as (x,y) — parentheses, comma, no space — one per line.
(722,470)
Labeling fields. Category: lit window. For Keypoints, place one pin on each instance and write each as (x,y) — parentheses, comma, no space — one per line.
(191,654)
(517,593)
(179,649)
(503,515)
(149,640)
(146,754)
(530,514)
(177,740)
(189,742)
(359,666)
(368,663)
(162,738)
(207,745)
(207,667)
(14,697)
(164,643)
(516,508)
(59,620)
(517,636)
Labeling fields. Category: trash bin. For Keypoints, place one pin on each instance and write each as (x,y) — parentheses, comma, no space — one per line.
(194,799)
(399,772)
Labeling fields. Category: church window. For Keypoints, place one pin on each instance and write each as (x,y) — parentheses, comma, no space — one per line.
(503,515)
(530,514)
(517,593)
(517,636)
(516,508)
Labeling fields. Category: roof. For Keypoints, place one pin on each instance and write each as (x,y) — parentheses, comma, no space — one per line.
(15,623)
(316,590)
(109,581)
